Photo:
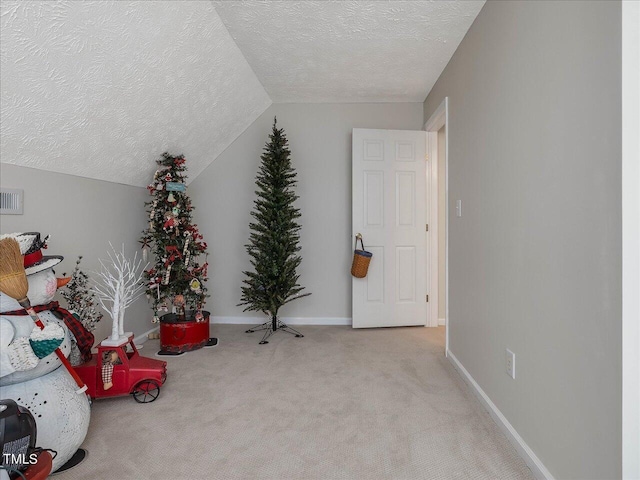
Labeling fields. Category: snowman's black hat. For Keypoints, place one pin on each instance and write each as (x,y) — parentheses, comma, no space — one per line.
(31,246)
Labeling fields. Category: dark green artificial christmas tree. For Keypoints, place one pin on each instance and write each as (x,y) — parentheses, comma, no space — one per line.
(274,239)
(176,280)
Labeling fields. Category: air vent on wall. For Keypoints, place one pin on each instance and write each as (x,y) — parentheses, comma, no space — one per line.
(11,201)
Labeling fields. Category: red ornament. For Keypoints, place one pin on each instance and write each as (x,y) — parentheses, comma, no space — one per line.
(170,223)
(173,249)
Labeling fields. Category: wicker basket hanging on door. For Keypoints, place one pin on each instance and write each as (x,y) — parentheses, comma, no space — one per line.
(361,260)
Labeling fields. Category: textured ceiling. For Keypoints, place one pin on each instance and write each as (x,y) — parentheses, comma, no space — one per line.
(348,51)
(101,88)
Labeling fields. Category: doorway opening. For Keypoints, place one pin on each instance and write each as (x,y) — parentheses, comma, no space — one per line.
(438,213)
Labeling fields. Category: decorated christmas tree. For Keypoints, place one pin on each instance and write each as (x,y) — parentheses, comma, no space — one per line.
(175,282)
(81,299)
(274,239)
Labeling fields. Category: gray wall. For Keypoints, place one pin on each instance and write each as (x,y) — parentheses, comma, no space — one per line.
(320,142)
(82,216)
(535,261)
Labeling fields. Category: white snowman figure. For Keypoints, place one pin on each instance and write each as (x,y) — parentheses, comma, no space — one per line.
(34,377)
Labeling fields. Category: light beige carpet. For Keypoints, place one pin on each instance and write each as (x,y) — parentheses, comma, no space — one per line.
(336,404)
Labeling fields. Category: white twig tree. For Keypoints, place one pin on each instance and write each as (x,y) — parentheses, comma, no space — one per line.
(118,285)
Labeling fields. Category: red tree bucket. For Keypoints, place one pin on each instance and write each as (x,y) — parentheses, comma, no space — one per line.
(183,336)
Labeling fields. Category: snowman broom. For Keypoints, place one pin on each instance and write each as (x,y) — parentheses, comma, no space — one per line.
(13,282)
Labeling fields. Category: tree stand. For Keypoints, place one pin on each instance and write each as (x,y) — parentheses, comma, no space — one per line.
(272,327)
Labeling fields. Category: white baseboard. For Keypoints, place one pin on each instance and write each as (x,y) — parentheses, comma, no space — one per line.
(287,320)
(140,339)
(442,322)
(530,458)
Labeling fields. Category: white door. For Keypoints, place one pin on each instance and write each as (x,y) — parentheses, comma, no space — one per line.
(389,210)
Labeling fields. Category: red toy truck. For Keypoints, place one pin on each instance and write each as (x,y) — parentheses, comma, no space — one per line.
(120,370)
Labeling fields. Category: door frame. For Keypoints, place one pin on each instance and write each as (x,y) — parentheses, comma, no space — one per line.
(439,119)
(630,240)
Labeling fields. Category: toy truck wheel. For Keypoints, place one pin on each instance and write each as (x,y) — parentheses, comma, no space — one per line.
(146,391)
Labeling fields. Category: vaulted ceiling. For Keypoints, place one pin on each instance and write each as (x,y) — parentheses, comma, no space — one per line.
(100,88)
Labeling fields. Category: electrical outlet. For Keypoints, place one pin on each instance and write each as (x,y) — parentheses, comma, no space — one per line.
(510,358)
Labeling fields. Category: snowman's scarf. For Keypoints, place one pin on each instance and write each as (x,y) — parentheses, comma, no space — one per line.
(84,338)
